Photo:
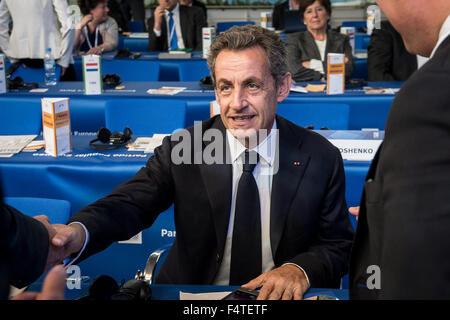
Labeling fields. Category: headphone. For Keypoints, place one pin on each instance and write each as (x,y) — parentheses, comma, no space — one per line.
(110,141)
(111,80)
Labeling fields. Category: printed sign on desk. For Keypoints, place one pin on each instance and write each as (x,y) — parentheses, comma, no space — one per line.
(56,126)
(209,34)
(336,73)
(92,74)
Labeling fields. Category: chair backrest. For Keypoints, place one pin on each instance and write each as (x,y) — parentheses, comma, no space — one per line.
(132,70)
(356,24)
(333,116)
(33,74)
(224,26)
(21,115)
(193,70)
(57,211)
(146,116)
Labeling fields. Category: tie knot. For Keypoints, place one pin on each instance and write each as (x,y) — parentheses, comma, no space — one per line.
(170,14)
(251,159)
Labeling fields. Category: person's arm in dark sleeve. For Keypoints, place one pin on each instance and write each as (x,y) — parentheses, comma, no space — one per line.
(379,56)
(24,243)
(295,59)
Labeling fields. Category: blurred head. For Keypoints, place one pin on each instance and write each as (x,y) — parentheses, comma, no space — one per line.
(417,21)
(168,4)
(249,70)
(98,8)
(315,14)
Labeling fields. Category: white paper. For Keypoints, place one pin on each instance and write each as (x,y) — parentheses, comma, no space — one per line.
(14,144)
(299,89)
(166,90)
(204,296)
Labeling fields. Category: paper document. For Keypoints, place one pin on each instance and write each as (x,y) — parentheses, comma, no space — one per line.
(203,296)
(166,90)
(14,144)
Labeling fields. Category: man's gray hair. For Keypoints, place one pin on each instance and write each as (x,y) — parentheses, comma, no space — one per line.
(244,37)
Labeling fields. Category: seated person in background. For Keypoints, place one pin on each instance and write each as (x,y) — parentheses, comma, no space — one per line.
(280,11)
(195,3)
(172,26)
(37,25)
(308,50)
(97,32)
(387,58)
(117,13)
(278,221)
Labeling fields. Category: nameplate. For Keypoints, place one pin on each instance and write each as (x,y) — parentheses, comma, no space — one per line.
(356,150)
(175,55)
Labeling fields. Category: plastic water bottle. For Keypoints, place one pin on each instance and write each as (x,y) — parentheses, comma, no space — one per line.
(50,68)
(373,18)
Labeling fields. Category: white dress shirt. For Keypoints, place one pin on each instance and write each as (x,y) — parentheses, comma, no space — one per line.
(263,174)
(176,20)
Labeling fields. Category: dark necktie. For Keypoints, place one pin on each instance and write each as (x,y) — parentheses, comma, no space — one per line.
(246,256)
(172,32)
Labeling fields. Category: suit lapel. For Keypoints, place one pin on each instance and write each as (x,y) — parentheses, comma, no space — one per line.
(292,166)
(217,178)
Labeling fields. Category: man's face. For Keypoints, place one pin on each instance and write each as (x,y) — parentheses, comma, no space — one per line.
(168,4)
(246,92)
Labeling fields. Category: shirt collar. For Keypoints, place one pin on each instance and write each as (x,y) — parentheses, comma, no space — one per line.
(174,10)
(266,149)
(443,34)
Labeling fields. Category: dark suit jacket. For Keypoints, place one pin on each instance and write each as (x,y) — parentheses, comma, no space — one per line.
(24,246)
(309,220)
(404,218)
(202,6)
(302,47)
(192,20)
(388,59)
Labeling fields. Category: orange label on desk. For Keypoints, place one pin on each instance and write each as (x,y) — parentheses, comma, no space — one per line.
(336,73)
(56,125)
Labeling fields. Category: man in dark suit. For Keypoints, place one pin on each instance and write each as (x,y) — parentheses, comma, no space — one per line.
(388,59)
(172,26)
(302,230)
(401,246)
(25,254)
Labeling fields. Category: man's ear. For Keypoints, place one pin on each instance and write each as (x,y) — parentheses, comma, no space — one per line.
(284,87)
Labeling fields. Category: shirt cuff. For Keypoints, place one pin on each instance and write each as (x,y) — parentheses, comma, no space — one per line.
(157,33)
(69,261)
(293,264)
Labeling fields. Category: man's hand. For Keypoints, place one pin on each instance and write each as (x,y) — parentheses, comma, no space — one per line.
(52,288)
(286,282)
(354,211)
(159,14)
(96,50)
(55,254)
(69,238)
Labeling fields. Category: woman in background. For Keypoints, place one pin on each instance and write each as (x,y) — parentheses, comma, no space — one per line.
(308,50)
(97,32)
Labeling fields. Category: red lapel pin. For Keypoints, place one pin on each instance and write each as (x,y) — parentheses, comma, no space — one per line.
(296,163)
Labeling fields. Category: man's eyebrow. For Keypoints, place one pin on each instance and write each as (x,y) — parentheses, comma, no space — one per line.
(245,81)
(224,81)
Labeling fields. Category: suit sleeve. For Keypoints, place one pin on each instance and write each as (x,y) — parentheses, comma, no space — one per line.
(24,244)
(350,65)
(379,60)
(328,256)
(132,206)
(67,32)
(154,43)
(295,59)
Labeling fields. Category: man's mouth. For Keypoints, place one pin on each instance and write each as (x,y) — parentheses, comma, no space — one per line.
(242,118)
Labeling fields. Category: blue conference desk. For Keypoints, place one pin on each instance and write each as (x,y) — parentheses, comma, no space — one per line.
(85,175)
(88,111)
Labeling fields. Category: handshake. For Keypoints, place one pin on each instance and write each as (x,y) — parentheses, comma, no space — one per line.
(64,240)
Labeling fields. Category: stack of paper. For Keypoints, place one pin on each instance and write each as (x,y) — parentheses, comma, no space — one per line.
(10,145)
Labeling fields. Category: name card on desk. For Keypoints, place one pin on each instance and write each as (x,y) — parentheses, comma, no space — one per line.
(2,74)
(357,150)
(336,73)
(56,125)
(92,74)
(209,34)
